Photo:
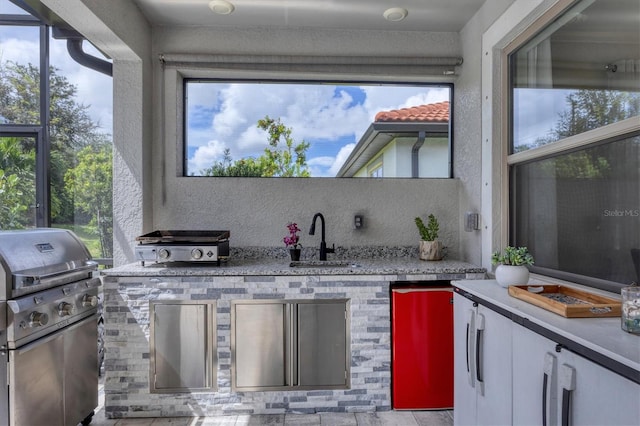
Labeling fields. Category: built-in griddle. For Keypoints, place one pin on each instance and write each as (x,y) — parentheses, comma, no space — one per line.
(171,246)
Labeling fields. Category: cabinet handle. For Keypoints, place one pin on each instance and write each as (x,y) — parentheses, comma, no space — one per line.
(479,357)
(469,343)
(545,384)
(568,384)
(547,399)
(478,362)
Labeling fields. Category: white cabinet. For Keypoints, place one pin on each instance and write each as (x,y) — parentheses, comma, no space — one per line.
(482,365)
(553,386)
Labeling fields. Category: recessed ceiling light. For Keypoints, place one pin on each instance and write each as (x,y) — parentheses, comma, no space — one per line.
(395,14)
(221,7)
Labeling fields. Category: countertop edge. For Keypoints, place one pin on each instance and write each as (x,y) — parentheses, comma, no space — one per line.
(280,267)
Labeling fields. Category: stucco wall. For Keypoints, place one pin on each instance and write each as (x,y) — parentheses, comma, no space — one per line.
(467,164)
(257,210)
(149,194)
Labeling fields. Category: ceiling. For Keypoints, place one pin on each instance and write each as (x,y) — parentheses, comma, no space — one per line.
(423,15)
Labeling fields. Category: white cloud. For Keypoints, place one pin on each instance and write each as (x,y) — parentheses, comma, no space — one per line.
(342,156)
(327,166)
(205,156)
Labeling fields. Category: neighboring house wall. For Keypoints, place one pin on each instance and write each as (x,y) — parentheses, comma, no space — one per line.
(433,159)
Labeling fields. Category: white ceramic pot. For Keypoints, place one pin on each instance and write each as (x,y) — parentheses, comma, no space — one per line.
(507,275)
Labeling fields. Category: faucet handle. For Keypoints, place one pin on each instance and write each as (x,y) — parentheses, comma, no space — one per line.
(332,249)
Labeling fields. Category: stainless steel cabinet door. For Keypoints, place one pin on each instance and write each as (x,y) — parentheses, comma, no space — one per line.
(182,346)
(322,341)
(259,344)
(289,344)
(36,370)
(81,370)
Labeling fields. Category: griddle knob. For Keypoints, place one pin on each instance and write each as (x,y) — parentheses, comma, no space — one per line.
(164,253)
(38,319)
(196,253)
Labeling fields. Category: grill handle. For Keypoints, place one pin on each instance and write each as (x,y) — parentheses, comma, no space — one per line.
(35,279)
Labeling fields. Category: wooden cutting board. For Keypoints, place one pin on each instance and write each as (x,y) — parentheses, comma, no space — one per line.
(567,301)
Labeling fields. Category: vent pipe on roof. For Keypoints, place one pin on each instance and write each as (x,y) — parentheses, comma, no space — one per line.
(415,167)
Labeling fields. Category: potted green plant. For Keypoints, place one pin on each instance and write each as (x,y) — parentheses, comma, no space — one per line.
(512,265)
(430,247)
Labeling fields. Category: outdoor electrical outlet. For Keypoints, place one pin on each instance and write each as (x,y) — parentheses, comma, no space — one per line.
(358,221)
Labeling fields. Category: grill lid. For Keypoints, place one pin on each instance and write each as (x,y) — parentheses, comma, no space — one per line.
(42,251)
(32,260)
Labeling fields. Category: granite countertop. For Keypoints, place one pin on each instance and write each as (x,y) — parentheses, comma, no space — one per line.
(282,266)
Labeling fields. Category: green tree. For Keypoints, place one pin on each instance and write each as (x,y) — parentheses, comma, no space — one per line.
(17,178)
(74,141)
(588,110)
(289,160)
(91,183)
(246,167)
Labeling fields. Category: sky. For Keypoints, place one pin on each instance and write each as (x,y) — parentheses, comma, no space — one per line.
(332,118)
(95,90)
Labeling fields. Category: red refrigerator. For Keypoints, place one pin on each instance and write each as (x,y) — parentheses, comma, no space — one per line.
(422,347)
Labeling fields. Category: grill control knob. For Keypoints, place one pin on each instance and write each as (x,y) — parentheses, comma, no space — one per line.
(89,300)
(196,253)
(65,309)
(164,253)
(38,319)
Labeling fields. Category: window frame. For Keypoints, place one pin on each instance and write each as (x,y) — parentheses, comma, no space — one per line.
(610,133)
(184,75)
(39,131)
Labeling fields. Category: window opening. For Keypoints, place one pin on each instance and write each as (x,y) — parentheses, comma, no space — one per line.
(575,145)
(313,128)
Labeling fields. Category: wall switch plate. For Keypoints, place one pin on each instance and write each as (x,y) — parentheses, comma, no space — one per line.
(471,221)
(358,221)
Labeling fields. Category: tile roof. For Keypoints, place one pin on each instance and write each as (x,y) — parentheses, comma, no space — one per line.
(438,113)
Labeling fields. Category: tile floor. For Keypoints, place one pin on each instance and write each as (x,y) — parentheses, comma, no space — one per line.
(385,418)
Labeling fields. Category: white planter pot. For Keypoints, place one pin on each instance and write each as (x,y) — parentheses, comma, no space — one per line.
(507,275)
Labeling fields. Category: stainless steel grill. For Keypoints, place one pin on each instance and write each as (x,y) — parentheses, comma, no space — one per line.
(48,328)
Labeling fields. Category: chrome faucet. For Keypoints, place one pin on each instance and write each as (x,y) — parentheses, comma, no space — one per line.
(323,245)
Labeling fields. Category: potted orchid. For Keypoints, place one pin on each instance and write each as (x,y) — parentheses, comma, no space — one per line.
(292,241)
(512,265)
